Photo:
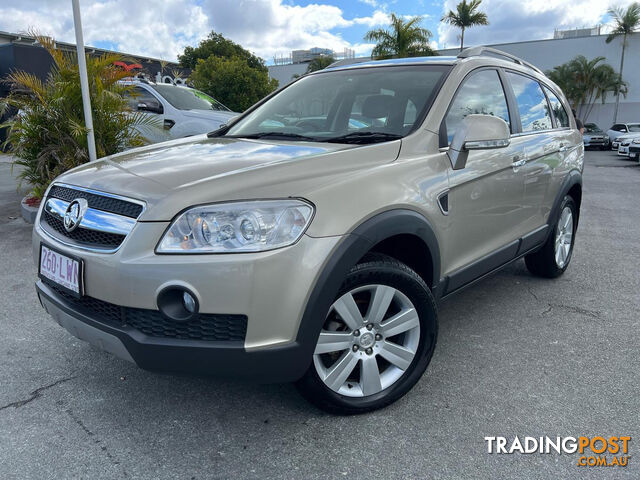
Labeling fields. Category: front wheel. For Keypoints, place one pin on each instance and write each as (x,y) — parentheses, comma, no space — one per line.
(553,258)
(377,340)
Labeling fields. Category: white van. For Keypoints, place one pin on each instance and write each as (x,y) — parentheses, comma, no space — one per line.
(180,111)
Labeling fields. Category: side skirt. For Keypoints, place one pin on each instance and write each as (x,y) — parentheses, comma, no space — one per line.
(469,275)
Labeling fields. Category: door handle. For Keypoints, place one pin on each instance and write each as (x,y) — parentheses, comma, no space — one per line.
(518,162)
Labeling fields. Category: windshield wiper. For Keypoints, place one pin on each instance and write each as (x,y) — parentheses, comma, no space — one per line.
(364,137)
(285,135)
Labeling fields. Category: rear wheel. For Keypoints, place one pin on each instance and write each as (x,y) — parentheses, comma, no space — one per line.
(553,258)
(377,340)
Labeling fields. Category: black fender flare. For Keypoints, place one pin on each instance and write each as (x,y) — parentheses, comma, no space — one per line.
(346,255)
(574,178)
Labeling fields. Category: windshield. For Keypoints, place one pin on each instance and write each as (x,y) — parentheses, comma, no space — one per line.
(355,106)
(591,128)
(184,98)
(634,127)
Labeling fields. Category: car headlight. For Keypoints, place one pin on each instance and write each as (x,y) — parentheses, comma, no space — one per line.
(637,141)
(251,226)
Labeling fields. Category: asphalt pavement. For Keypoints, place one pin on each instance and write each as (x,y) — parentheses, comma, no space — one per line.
(516,355)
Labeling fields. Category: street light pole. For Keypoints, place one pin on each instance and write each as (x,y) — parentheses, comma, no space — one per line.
(84,81)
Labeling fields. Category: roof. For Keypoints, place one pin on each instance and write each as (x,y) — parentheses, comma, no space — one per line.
(398,61)
(486,53)
(27,39)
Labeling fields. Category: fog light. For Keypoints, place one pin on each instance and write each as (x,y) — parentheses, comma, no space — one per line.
(189,302)
(177,304)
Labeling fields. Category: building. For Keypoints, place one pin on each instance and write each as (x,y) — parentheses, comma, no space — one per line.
(305,56)
(286,68)
(546,54)
(22,52)
(577,32)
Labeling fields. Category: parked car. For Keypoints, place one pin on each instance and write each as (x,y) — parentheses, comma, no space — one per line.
(623,147)
(284,248)
(593,136)
(634,149)
(179,111)
(619,130)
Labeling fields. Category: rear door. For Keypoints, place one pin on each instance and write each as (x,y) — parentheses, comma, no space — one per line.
(541,145)
(485,198)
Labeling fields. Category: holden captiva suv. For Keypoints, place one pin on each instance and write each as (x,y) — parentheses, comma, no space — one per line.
(312,238)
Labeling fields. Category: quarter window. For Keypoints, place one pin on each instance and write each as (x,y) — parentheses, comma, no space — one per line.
(532,104)
(560,114)
(481,93)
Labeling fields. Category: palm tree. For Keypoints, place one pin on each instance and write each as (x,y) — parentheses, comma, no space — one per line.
(626,23)
(586,81)
(320,63)
(404,39)
(465,16)
(48,136)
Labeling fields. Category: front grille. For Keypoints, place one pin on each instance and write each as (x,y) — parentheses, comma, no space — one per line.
(85,236)
(99,202)
(205,326)
(111,218)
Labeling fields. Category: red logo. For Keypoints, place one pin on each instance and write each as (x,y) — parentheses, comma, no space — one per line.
(128,68)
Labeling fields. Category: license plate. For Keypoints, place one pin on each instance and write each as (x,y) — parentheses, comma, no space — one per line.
(62,269)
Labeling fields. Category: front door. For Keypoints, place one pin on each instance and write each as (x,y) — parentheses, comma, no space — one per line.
(485,198)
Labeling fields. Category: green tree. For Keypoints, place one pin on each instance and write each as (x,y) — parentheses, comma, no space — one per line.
(584,82)
(320,63)
(403,39)
(466,16)
(626,22)
(48,136)
(232,81)
(218,46)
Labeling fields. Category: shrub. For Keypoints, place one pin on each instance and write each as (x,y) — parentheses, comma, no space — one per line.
(48,135)
(232,81)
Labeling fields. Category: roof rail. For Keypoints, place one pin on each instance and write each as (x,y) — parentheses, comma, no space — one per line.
(488,51)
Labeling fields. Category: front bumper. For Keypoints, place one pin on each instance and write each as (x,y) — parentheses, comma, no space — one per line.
(269,288)
(224,359)
(596,143)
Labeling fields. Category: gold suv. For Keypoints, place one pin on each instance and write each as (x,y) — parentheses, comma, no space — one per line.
(311,238)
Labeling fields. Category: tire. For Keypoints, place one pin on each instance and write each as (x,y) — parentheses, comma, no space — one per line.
(550,261)
(401,335)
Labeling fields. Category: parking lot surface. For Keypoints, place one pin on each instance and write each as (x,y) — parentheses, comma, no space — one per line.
(516,355)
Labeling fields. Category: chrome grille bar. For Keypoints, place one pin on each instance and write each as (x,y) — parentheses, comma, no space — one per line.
(93,219)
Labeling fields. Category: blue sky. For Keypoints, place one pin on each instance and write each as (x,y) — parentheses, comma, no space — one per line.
(162,28)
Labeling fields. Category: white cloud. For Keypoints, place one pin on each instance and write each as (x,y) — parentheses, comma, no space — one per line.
(270,27)
(512,21)
(163,28)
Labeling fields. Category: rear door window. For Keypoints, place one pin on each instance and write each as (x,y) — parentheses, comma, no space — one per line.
(535,114)
(559,112)
(481,93)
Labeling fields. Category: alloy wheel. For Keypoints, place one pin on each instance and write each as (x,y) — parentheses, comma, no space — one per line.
(369,339)
(564,237)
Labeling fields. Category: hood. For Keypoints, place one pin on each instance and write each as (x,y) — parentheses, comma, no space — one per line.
(174,175)
(628,136)
(218,115)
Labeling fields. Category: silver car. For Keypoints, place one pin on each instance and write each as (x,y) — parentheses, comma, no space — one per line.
(594,137)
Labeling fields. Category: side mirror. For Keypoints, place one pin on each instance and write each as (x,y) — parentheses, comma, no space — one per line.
(477,132)
(152,106)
